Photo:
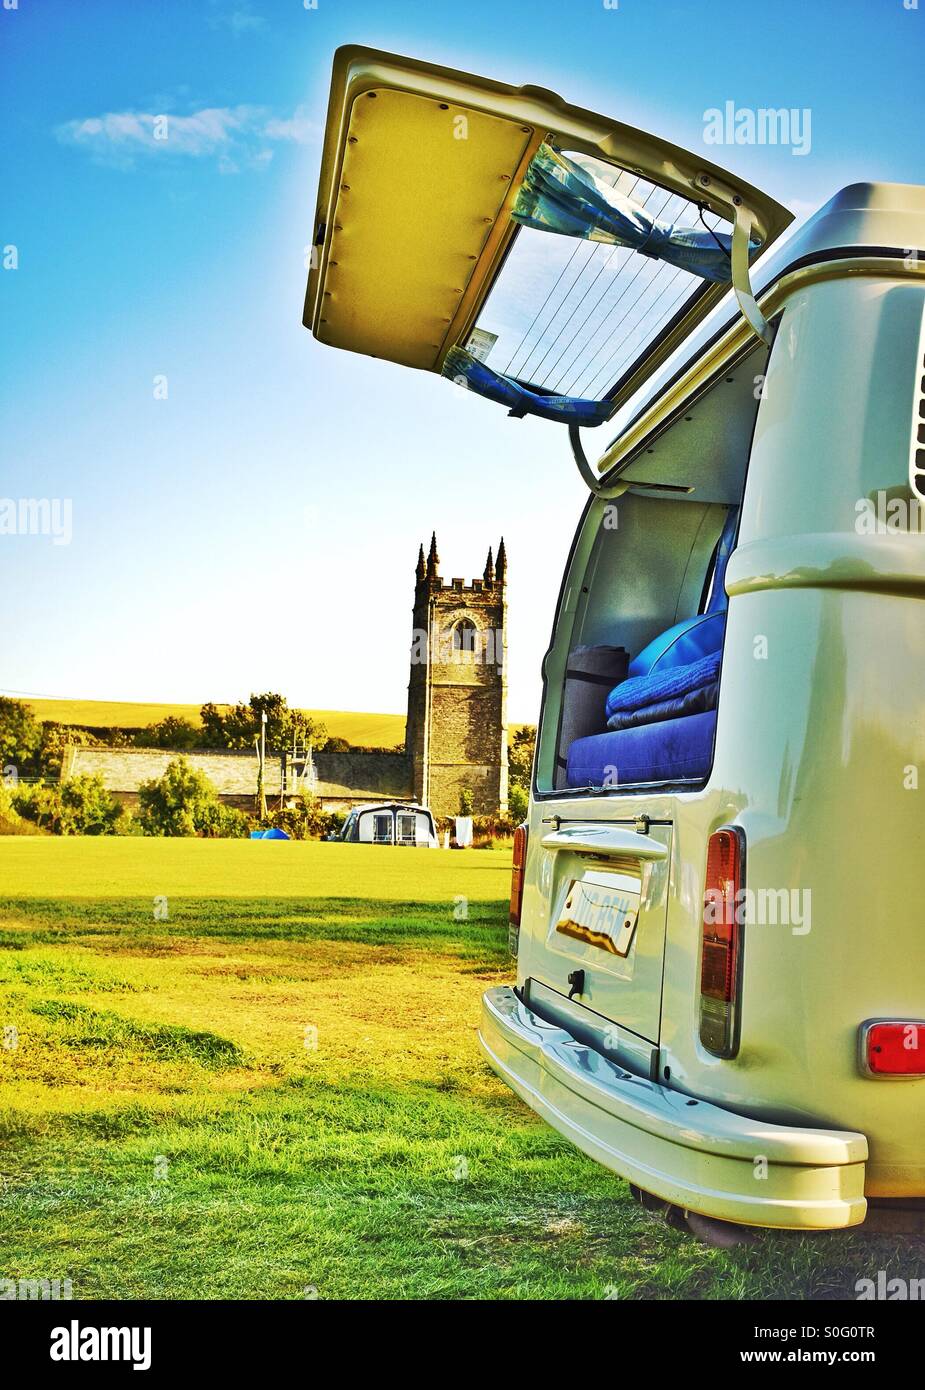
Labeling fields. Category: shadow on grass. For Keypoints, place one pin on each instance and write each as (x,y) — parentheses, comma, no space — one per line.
(77,1027)
(479,936)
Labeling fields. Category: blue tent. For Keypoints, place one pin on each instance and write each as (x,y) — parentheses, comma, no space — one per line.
(271,834)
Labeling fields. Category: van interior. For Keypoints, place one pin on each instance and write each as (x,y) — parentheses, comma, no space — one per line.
(644,636)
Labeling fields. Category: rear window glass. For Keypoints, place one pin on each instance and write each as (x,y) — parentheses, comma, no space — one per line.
(572,316)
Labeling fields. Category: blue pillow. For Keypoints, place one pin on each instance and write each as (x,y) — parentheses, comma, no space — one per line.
(681,644)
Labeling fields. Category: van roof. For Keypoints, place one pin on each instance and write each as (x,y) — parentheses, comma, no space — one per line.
(862,219)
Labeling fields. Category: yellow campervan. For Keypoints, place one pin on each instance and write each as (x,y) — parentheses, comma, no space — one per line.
(720,970)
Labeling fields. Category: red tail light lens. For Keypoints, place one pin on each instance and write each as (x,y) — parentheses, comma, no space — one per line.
(517,889)
(517,874)
(893,1047)
(720,934)
(721,946)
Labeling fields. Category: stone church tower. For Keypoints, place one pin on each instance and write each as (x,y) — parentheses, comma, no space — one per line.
(456,734)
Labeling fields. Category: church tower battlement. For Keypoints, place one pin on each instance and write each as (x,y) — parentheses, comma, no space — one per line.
(456,733)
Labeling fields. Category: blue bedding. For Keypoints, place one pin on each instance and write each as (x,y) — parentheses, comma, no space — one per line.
(659,686)
(672,750)
(691,702)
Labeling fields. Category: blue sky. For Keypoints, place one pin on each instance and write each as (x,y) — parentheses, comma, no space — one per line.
(258,528)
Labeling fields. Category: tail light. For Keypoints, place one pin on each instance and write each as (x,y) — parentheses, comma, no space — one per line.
(721,944)
(517,887)
(892,1047)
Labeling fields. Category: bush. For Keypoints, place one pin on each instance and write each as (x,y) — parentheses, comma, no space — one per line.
(487,831)
(182,801)
(11,822)
(305,819)
(337,745)
(79,806)
(517,802)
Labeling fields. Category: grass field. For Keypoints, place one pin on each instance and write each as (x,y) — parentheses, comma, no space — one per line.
(276,1093)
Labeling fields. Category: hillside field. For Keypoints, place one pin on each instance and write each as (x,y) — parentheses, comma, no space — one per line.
(364,730)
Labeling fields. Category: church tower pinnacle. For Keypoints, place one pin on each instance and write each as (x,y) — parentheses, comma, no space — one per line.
(433,559)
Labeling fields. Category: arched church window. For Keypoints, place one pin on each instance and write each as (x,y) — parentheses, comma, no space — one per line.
(465,636)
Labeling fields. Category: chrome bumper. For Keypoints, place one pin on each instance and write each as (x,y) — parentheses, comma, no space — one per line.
(686,1151)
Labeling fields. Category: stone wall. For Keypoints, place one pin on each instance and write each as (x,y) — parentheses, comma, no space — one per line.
(233,775)
(354,777)
(342,778)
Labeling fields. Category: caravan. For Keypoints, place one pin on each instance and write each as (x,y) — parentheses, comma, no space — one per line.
(390,823)
(715,904)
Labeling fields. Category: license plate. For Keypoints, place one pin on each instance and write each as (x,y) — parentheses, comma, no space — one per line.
(602,909)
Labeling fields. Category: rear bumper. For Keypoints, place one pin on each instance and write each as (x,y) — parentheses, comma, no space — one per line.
(686,1151)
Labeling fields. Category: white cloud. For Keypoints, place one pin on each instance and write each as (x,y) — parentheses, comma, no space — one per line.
(296,127)
(239,18)
(236,136)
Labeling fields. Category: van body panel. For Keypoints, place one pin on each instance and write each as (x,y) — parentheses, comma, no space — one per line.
(688,1152)
(825,657)
(818,759)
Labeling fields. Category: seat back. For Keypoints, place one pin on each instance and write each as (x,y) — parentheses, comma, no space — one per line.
(701,635)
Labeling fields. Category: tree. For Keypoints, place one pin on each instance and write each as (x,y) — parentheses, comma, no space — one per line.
(228,727)
(237,726)
(87,807)
(520,752)
(20,735)
(79,806)
(55,738)
(213,726)
(182,801)
(286,726)
(170,732)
